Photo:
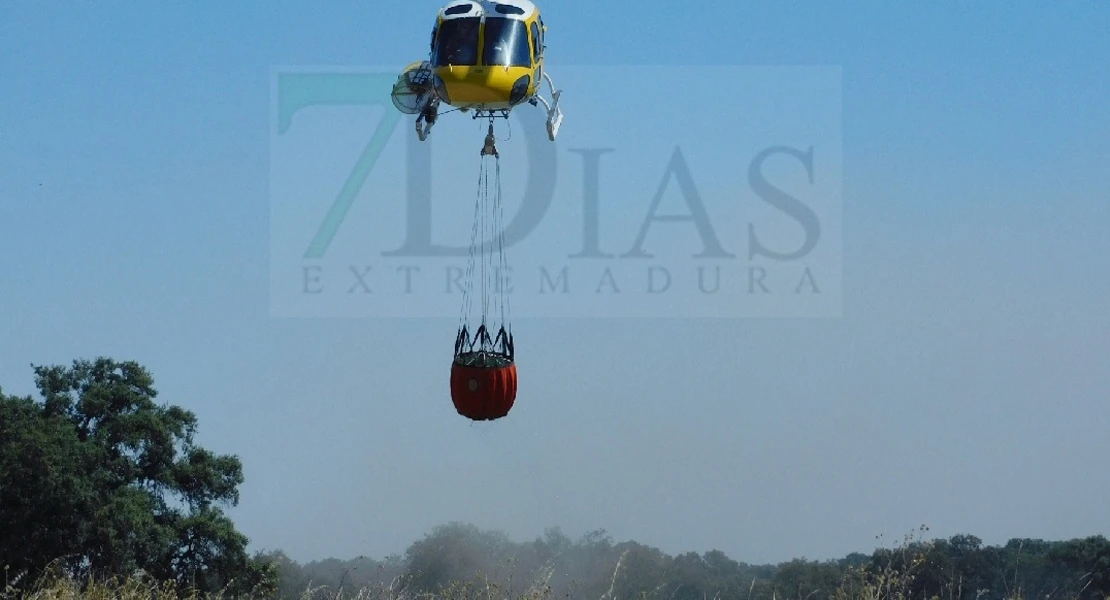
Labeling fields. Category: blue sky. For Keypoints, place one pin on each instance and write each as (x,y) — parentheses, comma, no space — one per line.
(963,387)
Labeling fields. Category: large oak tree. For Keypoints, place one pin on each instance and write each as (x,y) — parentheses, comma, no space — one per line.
(100,480)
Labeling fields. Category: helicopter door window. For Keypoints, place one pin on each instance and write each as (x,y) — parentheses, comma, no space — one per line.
(506,43)
(458,42)
(537,49)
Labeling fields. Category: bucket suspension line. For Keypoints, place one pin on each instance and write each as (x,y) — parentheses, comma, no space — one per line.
(490,341)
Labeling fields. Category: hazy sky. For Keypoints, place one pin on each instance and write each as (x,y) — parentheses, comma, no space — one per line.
(964,384)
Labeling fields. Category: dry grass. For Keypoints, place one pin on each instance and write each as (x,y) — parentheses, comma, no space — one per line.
(136,588)
(139,587)
(889,584)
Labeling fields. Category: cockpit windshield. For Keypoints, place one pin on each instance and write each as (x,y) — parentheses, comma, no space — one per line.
(458,42)
(506,43)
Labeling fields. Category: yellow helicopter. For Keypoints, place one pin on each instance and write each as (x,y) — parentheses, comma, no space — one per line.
(486,56)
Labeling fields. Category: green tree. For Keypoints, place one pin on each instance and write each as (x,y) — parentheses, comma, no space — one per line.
(641,571)
(103,480)
(1090,558)
(455,552)
(801,579)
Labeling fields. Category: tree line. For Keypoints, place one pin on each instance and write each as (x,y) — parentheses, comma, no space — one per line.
(98,480)
(595,566)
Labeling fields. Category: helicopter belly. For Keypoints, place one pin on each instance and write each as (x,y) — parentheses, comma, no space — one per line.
(483,87)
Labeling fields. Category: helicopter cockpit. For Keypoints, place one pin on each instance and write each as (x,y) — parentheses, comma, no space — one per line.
(456,42)
(506,43)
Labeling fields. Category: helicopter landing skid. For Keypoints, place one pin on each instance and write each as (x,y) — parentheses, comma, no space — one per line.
(554,113)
